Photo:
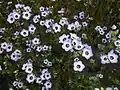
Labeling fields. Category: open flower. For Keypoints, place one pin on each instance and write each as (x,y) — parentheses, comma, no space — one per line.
(26,15)
(104,59)
(87,53)
(30,78)
(56,27)
(67,46)
(113,57)
(24,33)
(78,66)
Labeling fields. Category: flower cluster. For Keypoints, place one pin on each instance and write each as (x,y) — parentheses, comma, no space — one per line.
(17,84)
(111,57)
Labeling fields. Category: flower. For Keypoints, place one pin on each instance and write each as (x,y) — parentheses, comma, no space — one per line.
(36,41)
(67,46)
(56,27)
(4,45)
(26,15)
(45,47)
(109,88)
(63,38)
(71,26)
(113,57)
(11,18)
(42,22)
(39,48)
(85,24)
(63,21)
(44,13)
(108,35)
(31,28)
(16,15)
(104,40)
(30,78)
(47,76)
(78,66)
(24,33)
(117,43)
(104,59)
(9,47)
(114,27)
(36,18)
(29,69)
(48,84)
(82,15)
(27,9)
(20,84)
(48,23)
(42,8)
(87,53)
(38,80)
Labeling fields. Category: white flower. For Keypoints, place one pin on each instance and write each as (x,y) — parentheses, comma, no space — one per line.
(36,41)
(78,66)
(63,38)
(15,83)
(48,84)
(39,48)
(97,28)
(30,78)
(42,8)
(78,25)
(45,61)
(67,46)
(36,18)
(71,26)
(44,13)
(96,89)
(104,59)
(56,27)
(42,22)
(87,53)
(104,40)
(104,28)
(4,45)
(45,48)
(114,27)
(85,24)
(74,36)
(20,84)
(26,15)
(27,9)
(82,15)
(24,33)
(47,76)
(63,21)
(117,43)
(42,76)
(16,15)
(49,64)
(115,88)
(31,28)
(48,23)
(113,57)
(108,35)
(38,80)
(19,5)
(29,69)
(109,88)
(24,66)
(11,18)
(9,47)
(79,46)
(0,68)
